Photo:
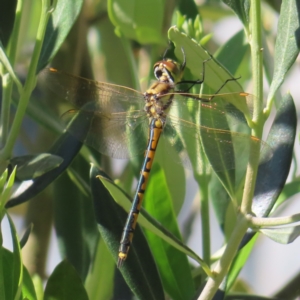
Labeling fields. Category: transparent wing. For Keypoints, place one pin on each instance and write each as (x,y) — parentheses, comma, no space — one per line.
(118,122)
(195,125)
(79,91)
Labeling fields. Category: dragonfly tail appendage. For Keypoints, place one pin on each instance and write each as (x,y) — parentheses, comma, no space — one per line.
(128,231)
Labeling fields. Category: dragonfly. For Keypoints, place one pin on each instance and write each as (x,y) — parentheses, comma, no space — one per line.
(123,119)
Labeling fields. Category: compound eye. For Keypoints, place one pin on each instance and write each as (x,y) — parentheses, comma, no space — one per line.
(158,73)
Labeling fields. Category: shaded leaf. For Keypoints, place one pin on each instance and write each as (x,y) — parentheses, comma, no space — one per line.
(188,9)
(7,18)
(32,166)
(67,147)
(111,219)
(140,21)
(150,223)
(64,283)
(241,8)
(26,235)
(232,53)
(74,219)
(272,175)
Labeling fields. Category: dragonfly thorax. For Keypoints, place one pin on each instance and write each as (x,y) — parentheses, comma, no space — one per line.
(158,99)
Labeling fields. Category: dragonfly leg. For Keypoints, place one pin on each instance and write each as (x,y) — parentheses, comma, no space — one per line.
(194,82)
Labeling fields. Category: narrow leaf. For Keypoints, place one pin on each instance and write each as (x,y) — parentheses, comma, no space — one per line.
(170,260)
(67,147)
(32,166)
(283,235)
(241,8)
(59,25)
(272,175)
(139,269)
(287,43)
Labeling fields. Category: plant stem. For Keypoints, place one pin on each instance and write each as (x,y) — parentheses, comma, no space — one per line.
(204,213)
(259,222)
(255,41)
(30,82)
(7,83)
(225,261)
(222,267)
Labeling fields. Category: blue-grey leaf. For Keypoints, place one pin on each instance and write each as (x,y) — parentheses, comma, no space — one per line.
(282,235)
(272,175)
(287,43)
(67,146)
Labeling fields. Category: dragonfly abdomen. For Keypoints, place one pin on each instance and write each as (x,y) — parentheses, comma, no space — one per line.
(155,129)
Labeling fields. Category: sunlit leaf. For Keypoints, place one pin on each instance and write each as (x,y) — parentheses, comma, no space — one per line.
(282,235)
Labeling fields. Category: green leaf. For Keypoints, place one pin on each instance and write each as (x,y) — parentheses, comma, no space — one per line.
(32,166)
(239,262)
(111,219)
(67,147)
(26,235)
(74,220)
(232,53)
(287,43)
(6,189)
(100,280)
(241,8)
(64,283)
(150,223)
(290,189)
(282,235)
(3,179)
(138,20)
(235,108)
(28,291)
(8,275)
(58,27)
(215,74)
(7,18)
(174,172)
(15,270)
(121,71)
(173,264)
(188,9)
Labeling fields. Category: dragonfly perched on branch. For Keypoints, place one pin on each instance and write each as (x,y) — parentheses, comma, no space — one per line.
(123,119)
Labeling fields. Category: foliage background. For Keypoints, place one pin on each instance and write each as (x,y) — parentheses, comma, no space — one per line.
(87,52)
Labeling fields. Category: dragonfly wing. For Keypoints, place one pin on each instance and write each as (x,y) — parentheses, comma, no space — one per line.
(118,122)
(206,126)
(120,135)
(79,91)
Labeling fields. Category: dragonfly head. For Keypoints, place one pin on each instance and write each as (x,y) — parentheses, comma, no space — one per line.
(168,71)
